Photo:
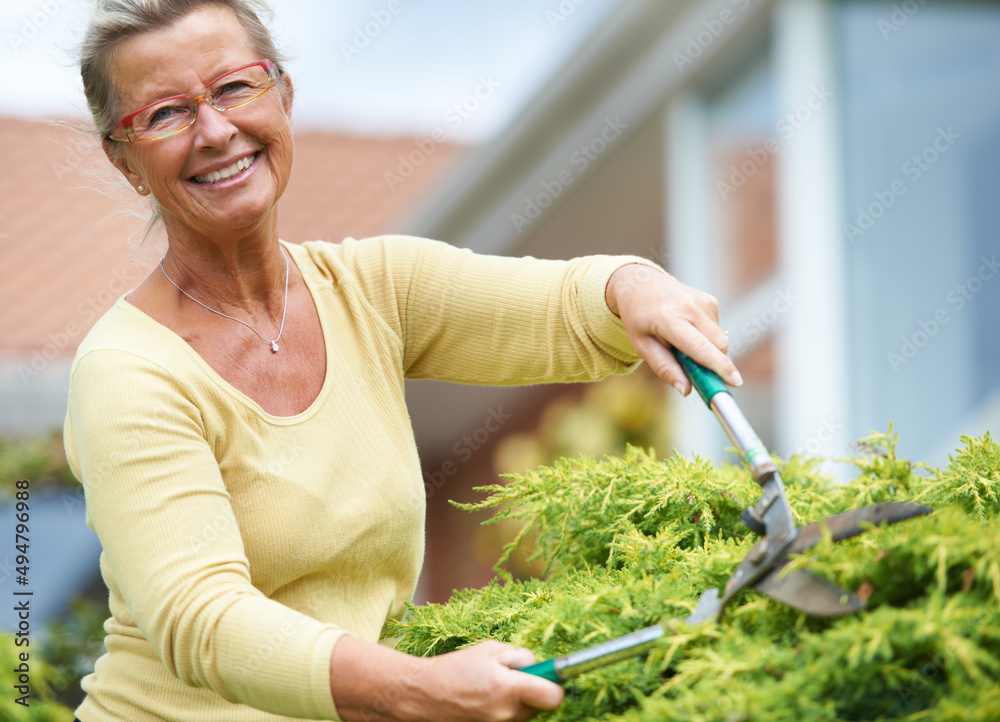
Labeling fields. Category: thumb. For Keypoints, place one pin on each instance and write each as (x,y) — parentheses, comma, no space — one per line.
(516,657)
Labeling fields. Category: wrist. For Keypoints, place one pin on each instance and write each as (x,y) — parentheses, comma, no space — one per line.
(626,278)
(371,682)
(411,701)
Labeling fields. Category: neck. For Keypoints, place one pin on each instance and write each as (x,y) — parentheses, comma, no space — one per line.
(236,271)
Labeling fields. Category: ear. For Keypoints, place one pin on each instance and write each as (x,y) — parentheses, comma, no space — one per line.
(288,94)
(120,161)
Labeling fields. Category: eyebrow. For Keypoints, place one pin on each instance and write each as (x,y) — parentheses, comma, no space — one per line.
(158,96)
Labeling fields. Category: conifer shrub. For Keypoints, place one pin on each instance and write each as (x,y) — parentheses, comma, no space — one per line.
(631,541)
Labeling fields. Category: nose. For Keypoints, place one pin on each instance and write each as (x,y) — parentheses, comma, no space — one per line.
(212,128)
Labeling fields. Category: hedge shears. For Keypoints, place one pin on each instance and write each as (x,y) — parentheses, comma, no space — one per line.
(771,517)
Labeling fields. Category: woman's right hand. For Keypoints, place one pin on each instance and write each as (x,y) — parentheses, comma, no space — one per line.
(478,684)
(481,683)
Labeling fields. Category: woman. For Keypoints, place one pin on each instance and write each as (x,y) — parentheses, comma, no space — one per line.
(238,419)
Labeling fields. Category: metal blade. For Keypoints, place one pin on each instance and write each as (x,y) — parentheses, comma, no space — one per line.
(851,523)
(708,607)
(802,589)
(809,593)
(813,594)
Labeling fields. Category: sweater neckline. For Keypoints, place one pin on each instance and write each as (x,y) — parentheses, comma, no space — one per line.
(222,383)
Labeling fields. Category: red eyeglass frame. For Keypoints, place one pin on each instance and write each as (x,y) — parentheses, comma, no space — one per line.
(126,132)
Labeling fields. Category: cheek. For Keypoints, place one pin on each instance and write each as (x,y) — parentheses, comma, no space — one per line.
(277,128)
(160,164)
(278,138)
(280,133)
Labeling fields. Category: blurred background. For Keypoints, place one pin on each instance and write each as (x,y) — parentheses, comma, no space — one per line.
(829,169)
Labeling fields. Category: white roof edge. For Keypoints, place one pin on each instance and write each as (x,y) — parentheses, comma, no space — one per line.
(624,70)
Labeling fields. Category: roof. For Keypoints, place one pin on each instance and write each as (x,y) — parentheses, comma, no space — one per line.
(64,246)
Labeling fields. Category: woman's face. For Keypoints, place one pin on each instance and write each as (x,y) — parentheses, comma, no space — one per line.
(184,58)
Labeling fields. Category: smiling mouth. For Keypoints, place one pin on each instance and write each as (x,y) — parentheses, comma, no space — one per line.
(224,174)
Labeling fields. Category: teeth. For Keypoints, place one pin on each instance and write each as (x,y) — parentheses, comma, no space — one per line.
(226,173)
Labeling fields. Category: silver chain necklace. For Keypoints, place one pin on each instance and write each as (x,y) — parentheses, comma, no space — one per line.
(284,307)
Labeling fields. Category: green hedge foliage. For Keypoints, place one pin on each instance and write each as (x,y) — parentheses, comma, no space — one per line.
(632,541)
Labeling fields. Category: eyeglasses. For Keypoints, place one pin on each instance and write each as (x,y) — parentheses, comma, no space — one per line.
(172,115)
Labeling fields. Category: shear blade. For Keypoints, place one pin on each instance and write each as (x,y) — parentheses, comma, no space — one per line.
(852,523)
(812,594)
(708,607)
(809,593)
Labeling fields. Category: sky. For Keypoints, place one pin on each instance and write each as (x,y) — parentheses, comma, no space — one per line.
(372,67)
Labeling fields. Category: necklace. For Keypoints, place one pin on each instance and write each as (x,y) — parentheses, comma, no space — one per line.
(284,307)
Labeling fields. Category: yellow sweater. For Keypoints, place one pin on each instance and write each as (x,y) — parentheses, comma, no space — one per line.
(238,546)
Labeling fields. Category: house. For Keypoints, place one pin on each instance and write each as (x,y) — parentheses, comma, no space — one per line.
(827,168)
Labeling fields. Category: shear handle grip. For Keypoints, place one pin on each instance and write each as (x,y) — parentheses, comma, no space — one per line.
(545,670)
(706,382)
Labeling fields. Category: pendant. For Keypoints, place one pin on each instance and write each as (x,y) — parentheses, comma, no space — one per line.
(274,346)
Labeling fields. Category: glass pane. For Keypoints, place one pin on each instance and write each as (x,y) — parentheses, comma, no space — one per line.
(921,218)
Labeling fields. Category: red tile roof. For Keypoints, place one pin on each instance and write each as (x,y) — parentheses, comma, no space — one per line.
(64,251)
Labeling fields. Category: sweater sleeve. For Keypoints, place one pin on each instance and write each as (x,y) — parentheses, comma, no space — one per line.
(172,547)
(480,319)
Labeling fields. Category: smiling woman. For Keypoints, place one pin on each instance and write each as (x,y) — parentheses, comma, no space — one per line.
(261,511)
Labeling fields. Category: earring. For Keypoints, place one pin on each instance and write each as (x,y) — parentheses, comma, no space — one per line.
(141,189)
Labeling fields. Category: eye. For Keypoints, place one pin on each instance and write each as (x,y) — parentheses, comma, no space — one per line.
(166,114)
(235,86)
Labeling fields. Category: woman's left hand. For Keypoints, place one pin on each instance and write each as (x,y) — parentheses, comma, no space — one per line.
(660,312)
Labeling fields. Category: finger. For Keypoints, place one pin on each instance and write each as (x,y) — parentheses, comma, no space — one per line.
(534,691)
(663,363)
(538,693)
(716,335)
(710,305)
(696,345)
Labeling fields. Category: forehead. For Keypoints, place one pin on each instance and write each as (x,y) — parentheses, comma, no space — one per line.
(180,57)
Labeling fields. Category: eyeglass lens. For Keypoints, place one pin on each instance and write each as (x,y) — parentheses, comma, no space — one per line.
(230,91)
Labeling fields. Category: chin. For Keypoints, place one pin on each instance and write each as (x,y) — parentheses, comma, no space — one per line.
(240,213)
